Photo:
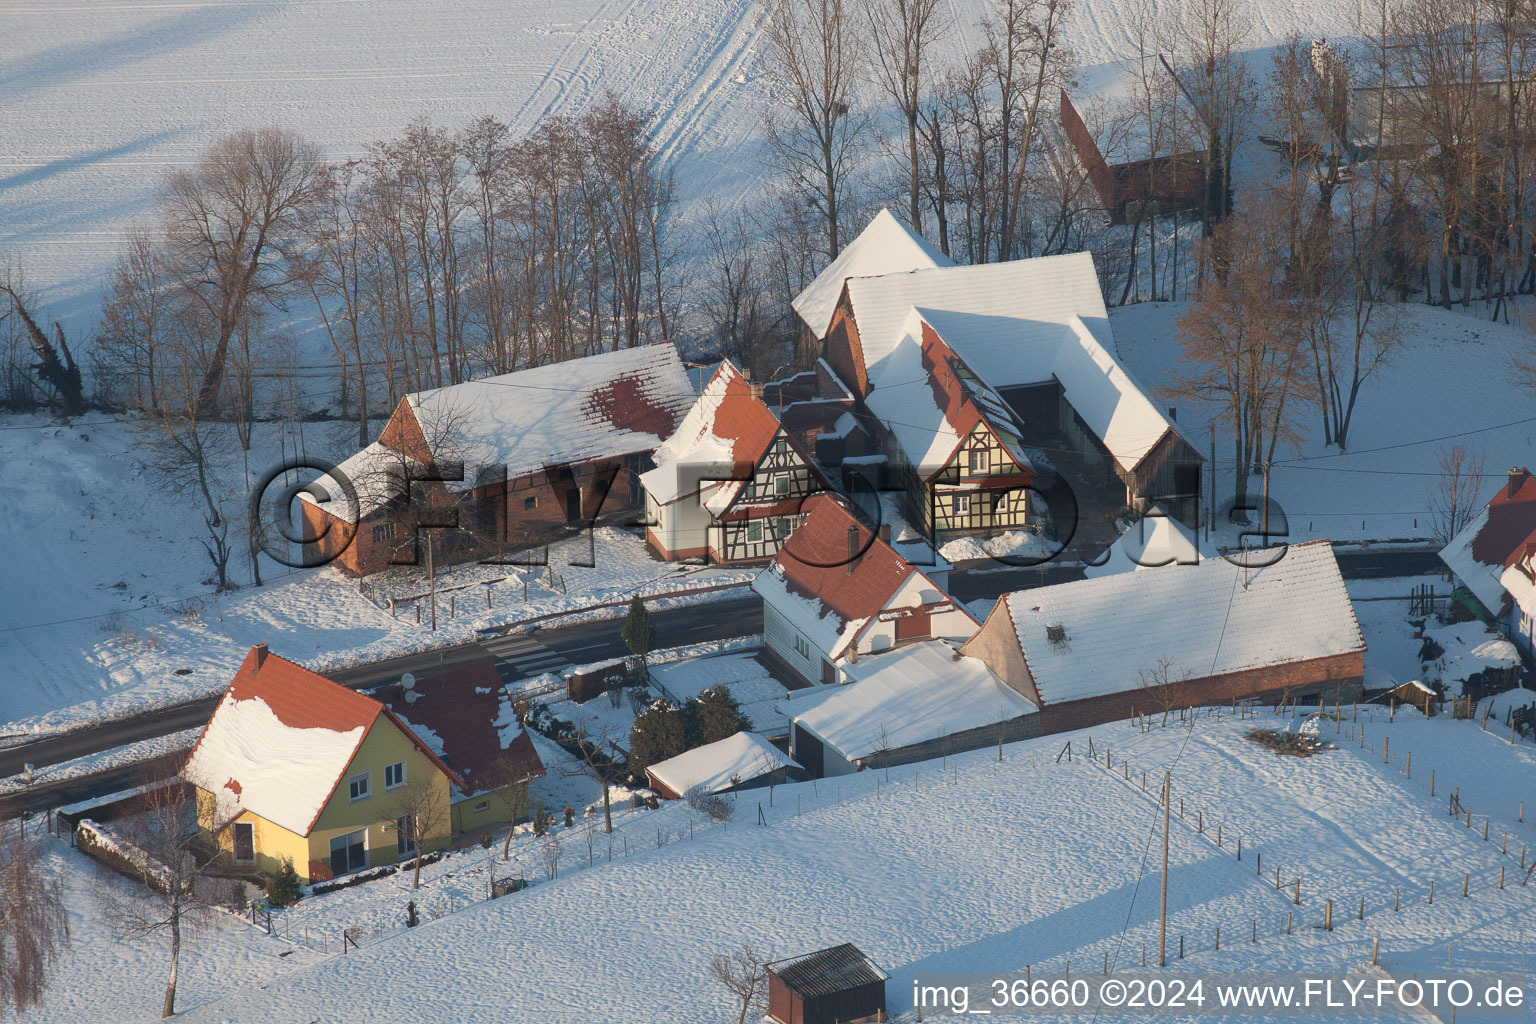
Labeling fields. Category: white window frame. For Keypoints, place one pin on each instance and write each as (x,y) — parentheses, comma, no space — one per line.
(979,462)
(367,779)
(398,782)
(481,806)
(234,843)
(962,505)
(404,845)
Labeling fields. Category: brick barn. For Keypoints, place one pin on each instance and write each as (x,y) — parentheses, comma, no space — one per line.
(533,456)
(1095,650)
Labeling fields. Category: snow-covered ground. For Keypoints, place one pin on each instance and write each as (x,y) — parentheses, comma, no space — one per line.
(1445,383)
(103,97)
(923,868)
(107,608)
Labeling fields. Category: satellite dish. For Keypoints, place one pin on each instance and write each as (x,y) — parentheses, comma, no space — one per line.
(408,681)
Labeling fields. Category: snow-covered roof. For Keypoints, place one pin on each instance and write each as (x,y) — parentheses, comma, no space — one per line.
(738,758)
(823,593)
(885,246)
(930,399)
(612,404)
(1493,554)
(1206,619)
(375,474)
(720,440)
(280,741)
(1015,323)
(913,694)
(1151,542)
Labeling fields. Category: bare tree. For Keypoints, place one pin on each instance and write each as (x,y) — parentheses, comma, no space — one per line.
(744,974)
(550,853)
(816,132)
(594,761)
(1166,685)
(34,924)
(188,454)
(170,893)
(508,783)
(900,32)
(422,814)
(1454,500)
(714,806)
(231,222)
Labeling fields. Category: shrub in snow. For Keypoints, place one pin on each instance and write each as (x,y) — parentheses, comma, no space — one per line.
(658,734)
(540,821)
(411,920)
(714,715)
(284,889)
(712,805)
(570,817)
(485,840)
(237,901)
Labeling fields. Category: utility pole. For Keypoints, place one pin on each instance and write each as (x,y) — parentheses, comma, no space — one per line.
(431,582)
(1264,514)
(1211,501)
(1162,930)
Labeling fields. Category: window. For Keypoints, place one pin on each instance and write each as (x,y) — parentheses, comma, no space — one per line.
(245,842)
(755,532)
(404,842)
(962,504)
(781,484)
(481,806)
(349,852)
(530,502)
(802,646)
(978,460)
(360,787)
(394,775)
(384,532)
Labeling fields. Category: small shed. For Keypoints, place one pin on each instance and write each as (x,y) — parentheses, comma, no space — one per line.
(1417,694)
(742,760)
(839,985)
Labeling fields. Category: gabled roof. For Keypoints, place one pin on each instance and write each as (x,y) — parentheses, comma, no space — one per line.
(910,695)
(716,766)
(826,971)
(281,739)
(612,404)
(376,474)
(1492,554)
(466,717)
(1016,323)
(885,246)
(1095,637)
(717,445)
(931,400)
(829,596)
(1152,542)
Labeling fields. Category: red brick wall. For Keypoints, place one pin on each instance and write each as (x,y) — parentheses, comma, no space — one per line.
(1341,673)
(843,351)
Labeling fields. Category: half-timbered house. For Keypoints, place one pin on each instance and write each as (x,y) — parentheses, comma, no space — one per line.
(730,484)
(500,464)
(838,591)
(1495,556)
(1037,332)
(954,445)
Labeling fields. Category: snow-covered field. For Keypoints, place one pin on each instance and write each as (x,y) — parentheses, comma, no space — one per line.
(107,609)
(103,97)
(1445,383)
(926,870)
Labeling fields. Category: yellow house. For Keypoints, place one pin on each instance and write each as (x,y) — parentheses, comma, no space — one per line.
(292,766)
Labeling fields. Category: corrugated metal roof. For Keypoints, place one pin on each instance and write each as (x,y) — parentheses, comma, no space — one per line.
(825,971)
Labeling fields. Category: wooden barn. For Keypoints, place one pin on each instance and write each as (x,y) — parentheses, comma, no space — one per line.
(1158,184)
(1096,650)
(839,985)
(501,464)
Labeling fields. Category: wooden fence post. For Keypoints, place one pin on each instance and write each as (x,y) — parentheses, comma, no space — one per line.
(1328,915)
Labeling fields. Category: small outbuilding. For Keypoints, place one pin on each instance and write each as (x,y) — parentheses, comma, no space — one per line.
(743,760)
(839,985)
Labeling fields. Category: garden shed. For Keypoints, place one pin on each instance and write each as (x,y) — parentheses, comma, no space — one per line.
(839,985)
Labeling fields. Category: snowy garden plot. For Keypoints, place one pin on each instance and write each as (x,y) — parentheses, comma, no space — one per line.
(1040,862)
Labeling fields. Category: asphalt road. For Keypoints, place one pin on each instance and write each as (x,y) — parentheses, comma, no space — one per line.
(520,655)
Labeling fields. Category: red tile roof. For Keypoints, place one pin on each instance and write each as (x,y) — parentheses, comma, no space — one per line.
(815,561)
(1511,524)
(461,706)
(301,699)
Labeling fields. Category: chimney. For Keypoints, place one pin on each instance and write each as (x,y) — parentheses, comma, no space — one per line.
(853,547)
(885,532)
(1516,478)
(1173,413)
(756,387)
(260,651)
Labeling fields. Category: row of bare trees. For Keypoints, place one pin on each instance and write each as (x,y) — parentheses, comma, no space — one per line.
(438,256)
